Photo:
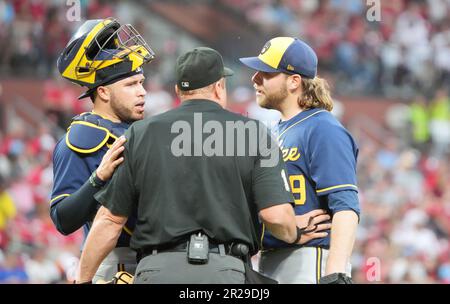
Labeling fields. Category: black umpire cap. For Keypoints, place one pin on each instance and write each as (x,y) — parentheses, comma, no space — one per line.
(199,68)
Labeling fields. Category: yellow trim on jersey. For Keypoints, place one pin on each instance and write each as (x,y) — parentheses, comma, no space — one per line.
(318,264)
(127,230)
(278,138)
(92,150)
(335,187)
(59,196)
(276,50)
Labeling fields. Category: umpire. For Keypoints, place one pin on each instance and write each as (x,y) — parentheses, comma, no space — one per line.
(198,216)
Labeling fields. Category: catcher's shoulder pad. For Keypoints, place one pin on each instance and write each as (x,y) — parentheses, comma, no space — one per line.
(86,134)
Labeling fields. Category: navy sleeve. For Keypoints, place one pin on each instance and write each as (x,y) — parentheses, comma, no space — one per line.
(72,202)
(119,195)
(70,172)
(72,212)
(344,200)
(332,155)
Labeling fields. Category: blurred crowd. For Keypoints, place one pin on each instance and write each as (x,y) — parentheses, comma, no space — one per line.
(406,51)
(404,192)
(404,173)
(33,33)
(403,236)
(31,250)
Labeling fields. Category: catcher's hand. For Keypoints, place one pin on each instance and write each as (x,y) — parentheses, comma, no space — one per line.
(314,223)
(111,160)
(336,278)
(122,277)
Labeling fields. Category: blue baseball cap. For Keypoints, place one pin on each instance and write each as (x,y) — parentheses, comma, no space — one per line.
(286,55)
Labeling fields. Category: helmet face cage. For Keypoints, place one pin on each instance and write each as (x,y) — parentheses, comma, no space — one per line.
(123,42)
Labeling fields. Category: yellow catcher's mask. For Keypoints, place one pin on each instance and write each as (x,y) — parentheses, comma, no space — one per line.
(101,51)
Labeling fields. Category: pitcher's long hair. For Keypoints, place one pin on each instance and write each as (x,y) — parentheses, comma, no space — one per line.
(316,94)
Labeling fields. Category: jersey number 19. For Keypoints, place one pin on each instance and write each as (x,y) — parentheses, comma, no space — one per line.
(298,188)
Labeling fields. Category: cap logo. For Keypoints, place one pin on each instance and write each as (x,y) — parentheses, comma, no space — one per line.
(290,67)
(138,70)
(265,47)
(185,84)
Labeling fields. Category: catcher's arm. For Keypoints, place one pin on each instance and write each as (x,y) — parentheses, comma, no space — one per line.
(72,212)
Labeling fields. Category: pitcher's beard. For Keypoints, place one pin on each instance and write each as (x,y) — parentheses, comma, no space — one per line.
(272,100)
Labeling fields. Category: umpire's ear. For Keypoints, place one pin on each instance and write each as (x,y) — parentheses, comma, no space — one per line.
(220,92)
(177,91)
(220,85)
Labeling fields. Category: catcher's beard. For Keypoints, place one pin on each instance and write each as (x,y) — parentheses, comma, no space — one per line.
(273,100)
(123,110)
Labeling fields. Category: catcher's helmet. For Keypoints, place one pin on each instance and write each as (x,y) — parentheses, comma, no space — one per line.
(102,51)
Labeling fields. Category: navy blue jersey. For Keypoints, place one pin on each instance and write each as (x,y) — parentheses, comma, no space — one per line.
(320,156)
(78,153)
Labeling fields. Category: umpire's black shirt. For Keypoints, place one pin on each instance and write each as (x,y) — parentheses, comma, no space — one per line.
(178,195)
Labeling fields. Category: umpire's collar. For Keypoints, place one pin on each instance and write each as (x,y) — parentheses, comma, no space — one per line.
(201,104)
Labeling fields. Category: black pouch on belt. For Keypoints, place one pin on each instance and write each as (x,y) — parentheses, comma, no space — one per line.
(198,251)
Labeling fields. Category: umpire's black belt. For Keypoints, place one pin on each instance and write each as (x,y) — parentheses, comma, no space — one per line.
(182,247)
